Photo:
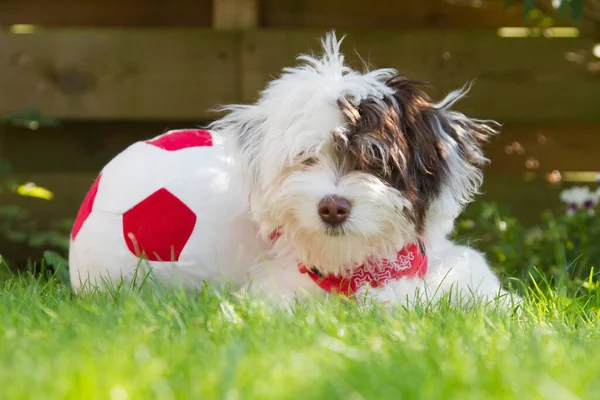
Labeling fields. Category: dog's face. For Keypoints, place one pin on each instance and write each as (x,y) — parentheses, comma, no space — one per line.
(351,165)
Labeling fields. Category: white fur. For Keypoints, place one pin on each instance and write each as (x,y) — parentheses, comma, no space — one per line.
(295,119)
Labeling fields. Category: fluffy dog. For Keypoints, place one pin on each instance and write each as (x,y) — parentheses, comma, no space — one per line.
(355,179)
(340,181)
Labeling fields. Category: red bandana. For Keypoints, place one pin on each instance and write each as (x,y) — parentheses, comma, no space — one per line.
(410,262)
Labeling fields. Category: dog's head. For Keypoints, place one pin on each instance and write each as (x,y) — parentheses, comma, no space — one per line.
(353,165)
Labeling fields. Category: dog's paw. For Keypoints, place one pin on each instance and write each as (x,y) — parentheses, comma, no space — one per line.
(381,297)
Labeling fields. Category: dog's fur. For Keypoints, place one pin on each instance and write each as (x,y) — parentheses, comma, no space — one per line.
(406,165)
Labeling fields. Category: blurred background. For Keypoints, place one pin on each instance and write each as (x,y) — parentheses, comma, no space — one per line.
(80,80)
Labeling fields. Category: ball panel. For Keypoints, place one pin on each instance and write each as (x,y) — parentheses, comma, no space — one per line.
(143,168)
(133,175)
(158,227)
(100,256)
(200,186)
(86,208)
(99,253)
(182,139)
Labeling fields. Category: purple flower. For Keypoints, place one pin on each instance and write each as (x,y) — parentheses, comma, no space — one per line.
(589,204)
(580,198)
(571,208)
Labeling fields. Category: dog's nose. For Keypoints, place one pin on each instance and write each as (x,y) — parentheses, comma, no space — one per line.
(334,210)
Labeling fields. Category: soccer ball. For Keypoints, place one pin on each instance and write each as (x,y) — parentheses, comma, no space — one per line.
(144,215)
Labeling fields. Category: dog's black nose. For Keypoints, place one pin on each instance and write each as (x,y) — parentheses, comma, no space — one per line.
(334,210)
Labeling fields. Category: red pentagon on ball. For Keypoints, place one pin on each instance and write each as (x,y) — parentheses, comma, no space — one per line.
(86,208)
(158,227)
(183,139)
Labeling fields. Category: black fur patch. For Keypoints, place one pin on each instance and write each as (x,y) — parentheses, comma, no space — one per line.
(395,139)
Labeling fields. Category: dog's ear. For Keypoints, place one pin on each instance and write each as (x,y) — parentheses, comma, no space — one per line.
(462,140)
(443,147)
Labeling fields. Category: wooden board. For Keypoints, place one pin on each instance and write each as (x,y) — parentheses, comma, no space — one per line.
(76,146)
(119,74)
(234,14)
(543,148)
(338,14)
(115,13)
(266,52)
(520,79)
(345,14)
(86,146)
(181,74)
(516,80)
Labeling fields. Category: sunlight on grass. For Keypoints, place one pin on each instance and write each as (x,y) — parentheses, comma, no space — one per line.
(130,344)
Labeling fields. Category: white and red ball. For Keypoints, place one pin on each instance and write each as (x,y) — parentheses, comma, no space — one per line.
(156,205)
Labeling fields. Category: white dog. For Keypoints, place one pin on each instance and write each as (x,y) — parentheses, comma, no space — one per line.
(348,182)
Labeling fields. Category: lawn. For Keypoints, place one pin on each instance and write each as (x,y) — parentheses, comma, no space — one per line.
(172,345)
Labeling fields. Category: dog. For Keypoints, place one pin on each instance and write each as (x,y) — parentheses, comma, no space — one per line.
(355,181)
(345,183)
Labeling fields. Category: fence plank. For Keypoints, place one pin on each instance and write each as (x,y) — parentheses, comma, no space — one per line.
(519,79)
(88,145)
(235,14)
(266,52)
(338,14)
(543,148)
(119,74)
(516,80)
(76,146)
(180,74)
(345,14)
(115,13)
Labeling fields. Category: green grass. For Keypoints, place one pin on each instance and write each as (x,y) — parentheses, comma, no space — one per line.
(172,345)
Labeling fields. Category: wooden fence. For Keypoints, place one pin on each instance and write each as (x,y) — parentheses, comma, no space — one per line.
(115,72)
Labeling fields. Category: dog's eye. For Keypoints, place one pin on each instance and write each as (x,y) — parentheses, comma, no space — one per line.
(307,162)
